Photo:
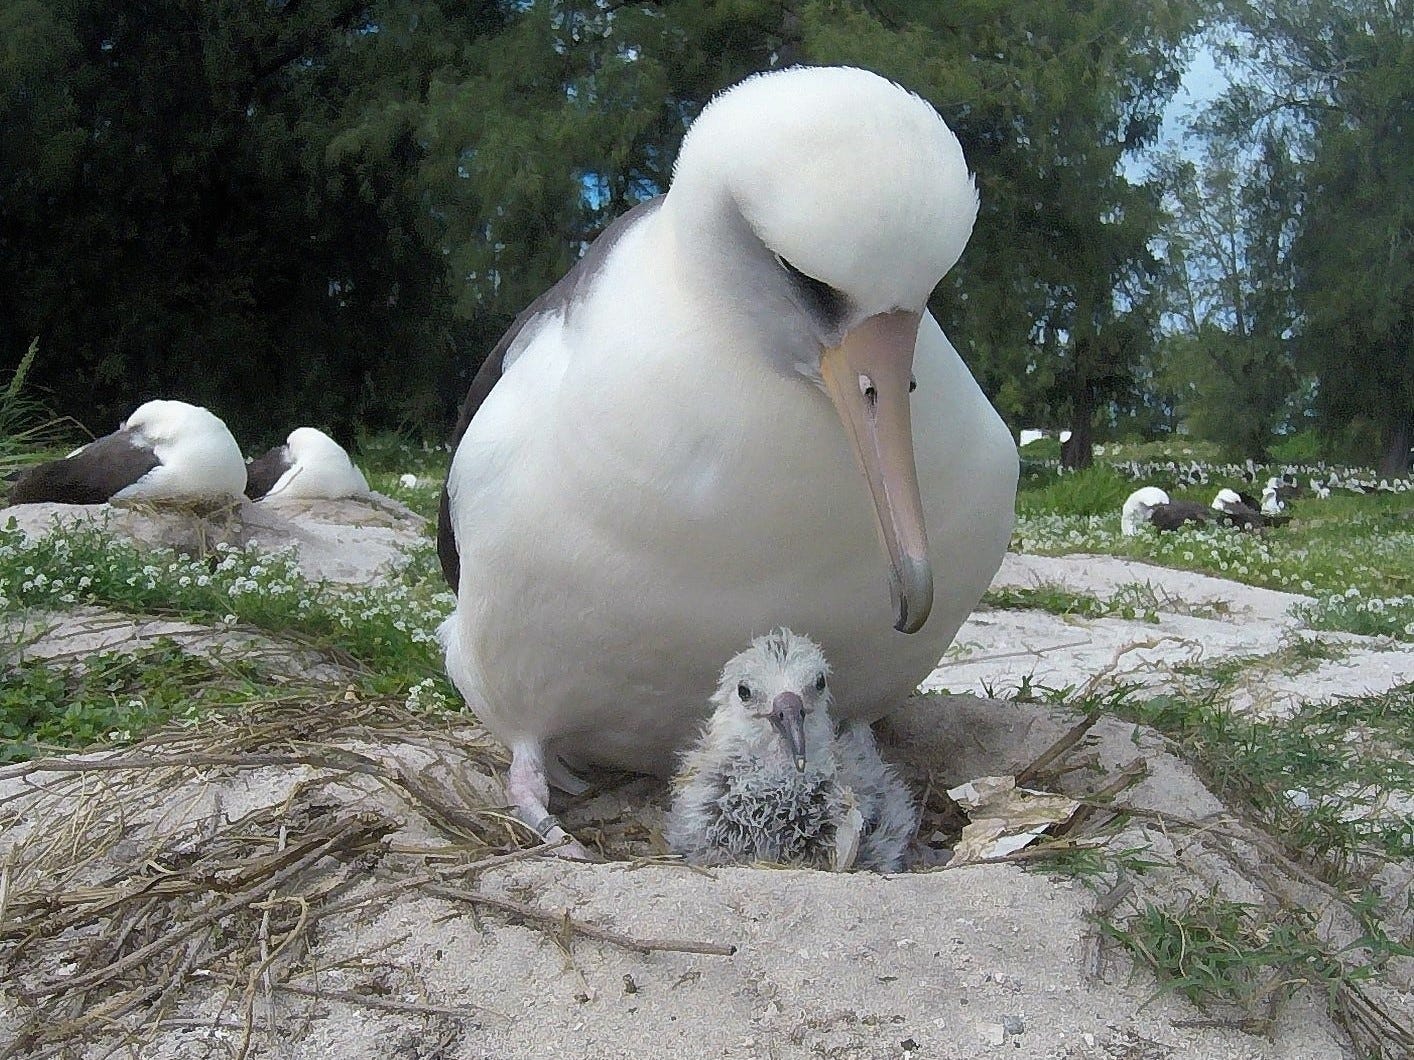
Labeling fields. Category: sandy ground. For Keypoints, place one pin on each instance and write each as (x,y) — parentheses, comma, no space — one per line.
(1202,621)
(968,962)
(976,961)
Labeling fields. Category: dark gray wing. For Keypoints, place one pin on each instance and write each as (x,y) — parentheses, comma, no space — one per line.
(1242,516)
(263,472)
(90,476)
(1174,514)
(570,287)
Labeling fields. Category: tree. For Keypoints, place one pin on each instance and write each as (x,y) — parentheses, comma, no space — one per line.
(567,117)
(1339,76)
(327,211)
(1230,305)
(185,216)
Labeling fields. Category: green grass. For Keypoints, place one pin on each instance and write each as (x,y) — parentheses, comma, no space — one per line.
(1317,778)
(386,458)
(116,696)
(1212,951)
(26,430)
(1137,601)
(1058,600)
(1376,616)
(1297,655)
(422,497)
(1097,490)
(386,634)
(390,629)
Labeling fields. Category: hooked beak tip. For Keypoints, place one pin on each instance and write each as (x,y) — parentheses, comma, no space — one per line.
(788,717)
(912,585)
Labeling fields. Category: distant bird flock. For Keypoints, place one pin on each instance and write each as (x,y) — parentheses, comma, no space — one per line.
(1284,484)
(1150,505)
(175,454)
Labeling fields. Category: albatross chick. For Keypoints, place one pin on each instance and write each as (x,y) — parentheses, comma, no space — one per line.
(770,780)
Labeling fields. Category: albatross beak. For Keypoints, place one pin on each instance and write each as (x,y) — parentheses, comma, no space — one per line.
(868,376)
(788,716)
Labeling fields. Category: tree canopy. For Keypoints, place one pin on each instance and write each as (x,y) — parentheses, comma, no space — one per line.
(1231,291)
(1334,80)
(327,211)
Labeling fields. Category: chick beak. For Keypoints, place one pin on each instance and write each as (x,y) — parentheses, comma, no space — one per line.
(788,716)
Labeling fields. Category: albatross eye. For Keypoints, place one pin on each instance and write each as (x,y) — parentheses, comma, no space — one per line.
(743,692)
(820,683)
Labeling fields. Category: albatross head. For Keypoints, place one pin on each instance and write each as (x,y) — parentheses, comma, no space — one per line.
(1227,500)
(162,423)
(830,202)
(774,698)
(1137,508)
(198,459)
(309,445)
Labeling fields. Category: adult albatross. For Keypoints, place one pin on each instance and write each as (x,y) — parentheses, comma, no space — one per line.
(309,466)
(734,413)
(166,452)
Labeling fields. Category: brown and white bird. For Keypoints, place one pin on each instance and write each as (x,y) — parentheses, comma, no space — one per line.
(166,452)
(309,466)
(735,412)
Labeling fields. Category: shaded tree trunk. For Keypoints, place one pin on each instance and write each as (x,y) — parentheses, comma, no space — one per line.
(1395,462)
(1078,450)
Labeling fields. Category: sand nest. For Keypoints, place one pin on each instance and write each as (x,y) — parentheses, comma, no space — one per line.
(339,879)
(343,883)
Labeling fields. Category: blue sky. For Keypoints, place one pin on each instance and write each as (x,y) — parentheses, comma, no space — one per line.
(1202,83)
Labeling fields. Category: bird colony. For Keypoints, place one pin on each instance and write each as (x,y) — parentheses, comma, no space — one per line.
(171,453)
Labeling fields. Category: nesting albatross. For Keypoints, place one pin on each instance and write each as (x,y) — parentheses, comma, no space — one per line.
(166,452)
(310,466)
(734,413)
(1149,504)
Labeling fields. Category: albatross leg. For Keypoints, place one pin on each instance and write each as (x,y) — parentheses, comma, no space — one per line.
(528,790)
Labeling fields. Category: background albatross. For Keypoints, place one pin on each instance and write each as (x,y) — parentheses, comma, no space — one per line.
(309,466)
(166,452)
(734,413)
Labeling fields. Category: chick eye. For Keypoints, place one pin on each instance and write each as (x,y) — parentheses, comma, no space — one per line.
(912,383)
(820,683)
(743,692)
